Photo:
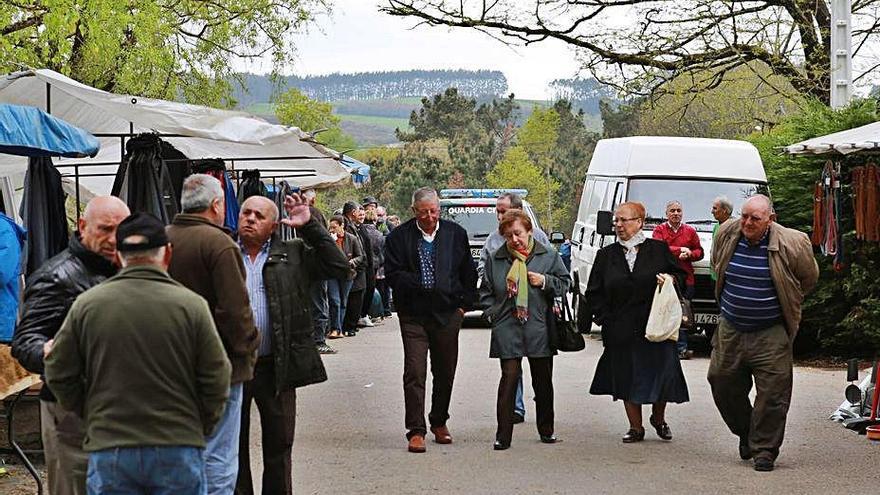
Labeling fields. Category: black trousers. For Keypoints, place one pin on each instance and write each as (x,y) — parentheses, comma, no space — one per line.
(353,310)
(278,421)
(385,292)
(542,382)
(367,300)
(423,336)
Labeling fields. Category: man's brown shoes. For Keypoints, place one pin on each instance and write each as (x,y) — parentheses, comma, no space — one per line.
(441,434)
(417,444)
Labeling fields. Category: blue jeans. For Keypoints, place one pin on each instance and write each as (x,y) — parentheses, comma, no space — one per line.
(221,453)
(320,311)
(155,470)
(337,297)
(519,406)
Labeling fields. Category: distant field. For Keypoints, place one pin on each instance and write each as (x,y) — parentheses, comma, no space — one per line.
(389,122)
(261,109)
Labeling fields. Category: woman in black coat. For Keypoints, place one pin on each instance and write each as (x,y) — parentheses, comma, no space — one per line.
(619,295)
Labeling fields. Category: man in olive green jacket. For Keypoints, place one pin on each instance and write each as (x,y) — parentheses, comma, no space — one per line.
(138,356)
(764,271)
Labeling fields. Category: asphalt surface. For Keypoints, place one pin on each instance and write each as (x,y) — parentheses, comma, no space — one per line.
(350,434)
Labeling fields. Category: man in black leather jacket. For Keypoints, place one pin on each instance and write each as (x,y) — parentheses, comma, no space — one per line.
(49,293)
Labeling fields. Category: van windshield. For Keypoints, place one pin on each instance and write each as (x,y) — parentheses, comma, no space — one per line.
(695,196)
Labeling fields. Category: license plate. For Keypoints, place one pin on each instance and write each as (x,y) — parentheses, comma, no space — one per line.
(475,253)
(706,318)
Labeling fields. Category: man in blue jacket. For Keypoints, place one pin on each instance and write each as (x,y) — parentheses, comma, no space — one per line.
(12,239)
(429,267)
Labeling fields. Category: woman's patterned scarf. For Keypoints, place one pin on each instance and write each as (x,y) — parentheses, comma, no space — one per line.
(518,281)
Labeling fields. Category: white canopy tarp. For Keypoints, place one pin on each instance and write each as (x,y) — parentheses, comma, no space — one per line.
(210,133)
(864,138)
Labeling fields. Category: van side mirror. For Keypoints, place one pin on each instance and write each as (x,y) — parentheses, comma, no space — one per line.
(604,224)
(557,237)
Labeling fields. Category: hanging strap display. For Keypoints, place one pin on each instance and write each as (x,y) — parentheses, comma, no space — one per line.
(826,213)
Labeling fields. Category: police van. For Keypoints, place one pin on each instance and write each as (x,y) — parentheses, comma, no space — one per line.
(655,170)
(474,209)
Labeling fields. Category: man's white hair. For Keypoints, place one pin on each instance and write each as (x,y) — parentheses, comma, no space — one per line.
(724,203)
(425,194)
(199,191)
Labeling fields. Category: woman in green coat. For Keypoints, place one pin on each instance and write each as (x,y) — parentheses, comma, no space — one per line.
(519,280)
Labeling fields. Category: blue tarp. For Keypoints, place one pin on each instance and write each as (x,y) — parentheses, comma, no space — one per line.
(29,131)
(360,171)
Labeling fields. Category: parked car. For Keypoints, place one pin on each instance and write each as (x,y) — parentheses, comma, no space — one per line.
(655,170)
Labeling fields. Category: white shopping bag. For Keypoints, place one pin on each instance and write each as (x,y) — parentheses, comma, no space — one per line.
(665,317)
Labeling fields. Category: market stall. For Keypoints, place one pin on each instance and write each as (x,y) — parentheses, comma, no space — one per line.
(846,199)
(241,140)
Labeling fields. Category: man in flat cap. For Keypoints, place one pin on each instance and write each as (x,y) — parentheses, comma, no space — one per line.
(140,359)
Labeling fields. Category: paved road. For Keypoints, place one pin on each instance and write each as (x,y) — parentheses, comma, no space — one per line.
(350,436)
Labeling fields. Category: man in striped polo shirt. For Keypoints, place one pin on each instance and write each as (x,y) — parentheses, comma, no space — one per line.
(764,270)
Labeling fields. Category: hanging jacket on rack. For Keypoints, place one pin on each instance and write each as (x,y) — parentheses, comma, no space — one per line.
(142,180)
(217,168)
(251,185)
(12,240)
(43,212)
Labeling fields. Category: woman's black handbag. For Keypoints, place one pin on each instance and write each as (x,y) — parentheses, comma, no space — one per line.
(562,328)
(687,315)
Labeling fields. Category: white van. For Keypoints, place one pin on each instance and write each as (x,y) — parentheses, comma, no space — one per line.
(655,170)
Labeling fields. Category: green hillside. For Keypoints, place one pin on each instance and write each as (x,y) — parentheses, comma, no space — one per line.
(372,122)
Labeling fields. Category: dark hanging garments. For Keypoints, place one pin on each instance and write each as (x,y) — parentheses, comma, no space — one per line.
(251,185)
(216,168)
(142,180)
(177,166)
(43,212)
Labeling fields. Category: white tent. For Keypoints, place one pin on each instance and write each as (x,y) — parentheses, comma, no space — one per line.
(864,138)
(242,140)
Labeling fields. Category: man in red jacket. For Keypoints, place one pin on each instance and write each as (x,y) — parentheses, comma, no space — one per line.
(684,243)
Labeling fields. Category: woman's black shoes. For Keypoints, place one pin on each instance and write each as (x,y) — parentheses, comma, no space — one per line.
(662,428)
(499,445)
(633,436)
(549,439)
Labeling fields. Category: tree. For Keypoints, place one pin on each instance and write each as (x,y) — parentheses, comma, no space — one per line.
(475,137)
(296,109)
(538,138)
(670,39)
(741,103)
(159,48)
(516,170)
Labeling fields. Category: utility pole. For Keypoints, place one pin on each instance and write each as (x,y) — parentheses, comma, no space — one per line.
(841,53)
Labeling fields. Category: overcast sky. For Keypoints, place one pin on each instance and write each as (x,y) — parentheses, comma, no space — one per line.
(358,38)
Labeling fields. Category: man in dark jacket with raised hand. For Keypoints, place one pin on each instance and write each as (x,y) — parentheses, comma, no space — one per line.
(140,358)
(49,293)
(280,278)
(429,267)
(208,262)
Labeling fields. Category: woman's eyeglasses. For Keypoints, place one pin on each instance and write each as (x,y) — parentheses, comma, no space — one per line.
(624,220)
